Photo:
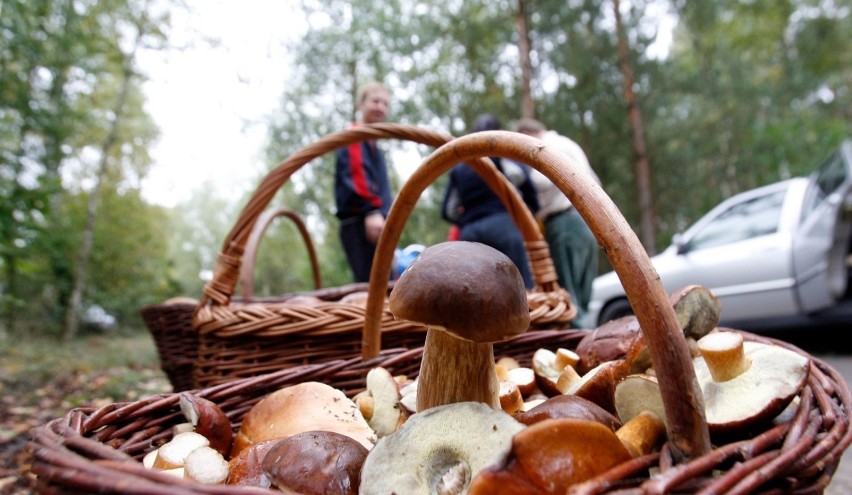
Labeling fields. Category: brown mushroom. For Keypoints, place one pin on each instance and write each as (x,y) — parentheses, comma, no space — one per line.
(746,384)
(316,463)
(246,468)
(568,406)
(550,456)
(697,309)
(208,419)
(439,450)
(469,296)
(303,407)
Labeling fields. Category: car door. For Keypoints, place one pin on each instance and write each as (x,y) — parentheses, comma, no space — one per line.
(822,240)
(740,252)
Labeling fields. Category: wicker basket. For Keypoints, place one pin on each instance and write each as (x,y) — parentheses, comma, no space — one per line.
(238,339)
(98,450)
(170,322)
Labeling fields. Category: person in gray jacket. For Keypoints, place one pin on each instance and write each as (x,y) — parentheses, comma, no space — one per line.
(573,247)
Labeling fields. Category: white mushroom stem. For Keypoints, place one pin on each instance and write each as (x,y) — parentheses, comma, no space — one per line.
(564,357)
(456,370)
(724,354)
(642,433)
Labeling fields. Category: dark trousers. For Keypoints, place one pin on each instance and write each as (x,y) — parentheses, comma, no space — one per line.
(500,232)
(359,251)
(575,253)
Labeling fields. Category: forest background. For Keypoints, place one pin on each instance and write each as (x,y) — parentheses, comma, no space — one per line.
(750,92)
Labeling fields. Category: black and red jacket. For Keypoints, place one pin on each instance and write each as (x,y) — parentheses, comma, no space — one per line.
(361,183)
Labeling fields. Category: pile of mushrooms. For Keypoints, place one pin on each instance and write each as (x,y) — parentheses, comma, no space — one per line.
(468,424)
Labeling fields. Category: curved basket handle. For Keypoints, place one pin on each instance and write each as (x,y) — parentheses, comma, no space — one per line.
(688,433)
(218,291)
(253,243)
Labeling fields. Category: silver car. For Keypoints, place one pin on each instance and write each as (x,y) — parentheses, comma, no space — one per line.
(770,254)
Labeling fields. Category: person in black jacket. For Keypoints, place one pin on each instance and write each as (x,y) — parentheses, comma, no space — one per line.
(362,189)
(477,210)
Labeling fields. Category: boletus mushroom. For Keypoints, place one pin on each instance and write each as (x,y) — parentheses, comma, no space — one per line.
(439,451)
(746,384)
(468,295)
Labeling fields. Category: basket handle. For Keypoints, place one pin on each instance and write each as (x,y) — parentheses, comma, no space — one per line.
(219,290)
(253,243)
(682,399)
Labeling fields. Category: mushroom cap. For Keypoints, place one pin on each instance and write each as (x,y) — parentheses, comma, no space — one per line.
(469,289)
(443,446)
(306,406)
(550,456)
(774,378)
(316,463)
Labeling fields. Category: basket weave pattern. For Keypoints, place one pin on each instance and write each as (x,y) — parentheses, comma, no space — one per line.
(239,339)
(170,322)
(100,449)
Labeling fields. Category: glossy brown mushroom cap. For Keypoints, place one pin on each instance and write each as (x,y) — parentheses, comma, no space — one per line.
(473,291)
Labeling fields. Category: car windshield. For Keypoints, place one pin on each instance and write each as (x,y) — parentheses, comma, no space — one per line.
(827,179)
(752,218)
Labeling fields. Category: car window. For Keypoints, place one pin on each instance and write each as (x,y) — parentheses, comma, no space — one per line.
(826,180)
(752,218)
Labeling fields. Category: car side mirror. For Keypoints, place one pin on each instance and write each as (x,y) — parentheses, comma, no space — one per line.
(679,243)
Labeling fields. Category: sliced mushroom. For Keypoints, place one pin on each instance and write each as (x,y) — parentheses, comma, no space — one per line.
(386,411)
(172,454)
(439,450)
(469,296)
(206,465)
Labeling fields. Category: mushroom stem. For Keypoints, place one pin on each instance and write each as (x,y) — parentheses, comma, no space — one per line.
(456,370)
(724,354)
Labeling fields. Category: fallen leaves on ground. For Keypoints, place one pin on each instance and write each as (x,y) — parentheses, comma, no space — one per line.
(25,405)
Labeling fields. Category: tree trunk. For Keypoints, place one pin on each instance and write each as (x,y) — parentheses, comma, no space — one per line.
(527,106)
(642,168)
(72,316)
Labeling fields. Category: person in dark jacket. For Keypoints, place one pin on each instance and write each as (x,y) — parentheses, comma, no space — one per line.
(477,210)
(362,189)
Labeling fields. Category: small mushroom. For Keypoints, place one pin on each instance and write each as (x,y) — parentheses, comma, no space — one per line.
(208,419)
(468,295)
(636,394)
(439,450)
(306,406)
(386,413)
(206,465)
(746,384)
(172,455)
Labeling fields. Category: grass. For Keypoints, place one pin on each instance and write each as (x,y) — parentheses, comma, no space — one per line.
(46,378)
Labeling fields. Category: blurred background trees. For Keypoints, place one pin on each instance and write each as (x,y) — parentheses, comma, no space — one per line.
(745,94)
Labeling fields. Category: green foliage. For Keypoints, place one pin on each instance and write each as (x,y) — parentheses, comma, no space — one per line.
(750,92)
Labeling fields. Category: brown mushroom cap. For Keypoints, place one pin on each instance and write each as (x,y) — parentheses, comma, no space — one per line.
(316,463)
(551,455)
(471,290)
(303,407)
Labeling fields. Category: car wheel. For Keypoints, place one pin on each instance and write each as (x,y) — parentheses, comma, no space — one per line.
(615,309)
